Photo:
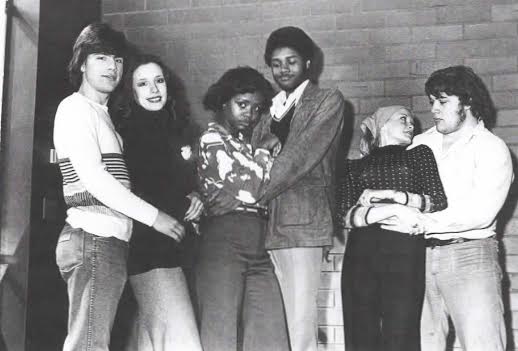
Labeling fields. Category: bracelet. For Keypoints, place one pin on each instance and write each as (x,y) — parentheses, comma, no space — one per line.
(406,198)
(423,203)
(366,214)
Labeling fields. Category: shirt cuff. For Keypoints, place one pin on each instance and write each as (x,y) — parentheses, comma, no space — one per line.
(262,152)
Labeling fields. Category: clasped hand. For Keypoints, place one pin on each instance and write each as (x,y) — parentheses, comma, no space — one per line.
(169,226)
(405,220)
(195,209)
(270,142)
(173,228)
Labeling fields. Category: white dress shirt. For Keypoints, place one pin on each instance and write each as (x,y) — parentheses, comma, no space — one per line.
(476,172)
(281,103)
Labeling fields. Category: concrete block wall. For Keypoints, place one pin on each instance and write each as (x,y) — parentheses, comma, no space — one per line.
(377,52)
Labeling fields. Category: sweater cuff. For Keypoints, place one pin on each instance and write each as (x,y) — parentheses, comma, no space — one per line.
(149,215)
(356,217)
(422,202)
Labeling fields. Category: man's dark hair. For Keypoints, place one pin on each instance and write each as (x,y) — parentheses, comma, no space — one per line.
(290,37)
(96,38)
(464,83)
(236,81)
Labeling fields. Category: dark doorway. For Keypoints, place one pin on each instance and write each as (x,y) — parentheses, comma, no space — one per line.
(60,23)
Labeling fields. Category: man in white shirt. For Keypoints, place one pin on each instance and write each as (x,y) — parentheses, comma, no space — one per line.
(463,277)
(92,247)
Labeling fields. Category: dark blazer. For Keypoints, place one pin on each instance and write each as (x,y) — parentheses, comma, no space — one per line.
(301,190)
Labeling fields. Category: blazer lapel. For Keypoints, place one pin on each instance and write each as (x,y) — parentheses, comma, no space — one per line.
(303,112)
(304,109)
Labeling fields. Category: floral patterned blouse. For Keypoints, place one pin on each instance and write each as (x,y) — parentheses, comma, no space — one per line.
(228,163)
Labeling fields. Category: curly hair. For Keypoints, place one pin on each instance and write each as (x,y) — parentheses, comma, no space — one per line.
(122,103)
(239,80)
(291,37)
(96,38)
(464,83)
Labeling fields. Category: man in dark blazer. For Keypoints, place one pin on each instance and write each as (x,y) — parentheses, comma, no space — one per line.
(308,122)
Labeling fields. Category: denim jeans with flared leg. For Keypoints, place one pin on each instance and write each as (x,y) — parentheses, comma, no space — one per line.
(464,282)
(239,299)
(94,269)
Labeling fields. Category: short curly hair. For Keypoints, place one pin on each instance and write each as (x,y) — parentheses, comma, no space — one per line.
(464,83)
(239,80)
(291,37)
(96,38)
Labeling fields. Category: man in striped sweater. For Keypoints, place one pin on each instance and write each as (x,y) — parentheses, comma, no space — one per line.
(92,247)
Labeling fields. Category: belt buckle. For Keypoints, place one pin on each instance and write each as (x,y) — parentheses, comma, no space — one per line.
(261,212)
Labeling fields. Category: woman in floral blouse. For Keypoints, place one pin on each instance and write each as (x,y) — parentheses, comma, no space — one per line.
(239,300)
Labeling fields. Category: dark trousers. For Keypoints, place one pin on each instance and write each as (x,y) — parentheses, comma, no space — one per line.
(382,290)
(239,300)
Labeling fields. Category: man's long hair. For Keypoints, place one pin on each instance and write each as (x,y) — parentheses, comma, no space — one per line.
(96,38)
(464,83)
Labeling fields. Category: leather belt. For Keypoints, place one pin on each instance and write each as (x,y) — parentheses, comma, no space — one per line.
(434,242)
(260,211)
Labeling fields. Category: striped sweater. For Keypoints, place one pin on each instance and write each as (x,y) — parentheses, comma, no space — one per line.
(95,178)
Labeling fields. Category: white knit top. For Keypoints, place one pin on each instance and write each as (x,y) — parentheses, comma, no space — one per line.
(95,178)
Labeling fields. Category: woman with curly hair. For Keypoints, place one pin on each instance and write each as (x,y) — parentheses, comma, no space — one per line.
(239,299)
(157,142)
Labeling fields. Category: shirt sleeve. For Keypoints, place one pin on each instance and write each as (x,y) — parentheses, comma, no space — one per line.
(492,177)
(429,181)
(224,168)
(76,132)
(349,191)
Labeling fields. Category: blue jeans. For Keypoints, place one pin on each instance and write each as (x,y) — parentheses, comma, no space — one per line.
(463,281)
(94,269)
(239,299)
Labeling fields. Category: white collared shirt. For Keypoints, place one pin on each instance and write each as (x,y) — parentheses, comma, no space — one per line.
(476,172)
(282,104)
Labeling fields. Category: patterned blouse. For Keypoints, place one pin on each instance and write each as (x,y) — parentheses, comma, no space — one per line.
(394,168)
(229,164)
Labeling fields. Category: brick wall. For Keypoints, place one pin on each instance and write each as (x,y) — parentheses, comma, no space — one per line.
(378,52)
